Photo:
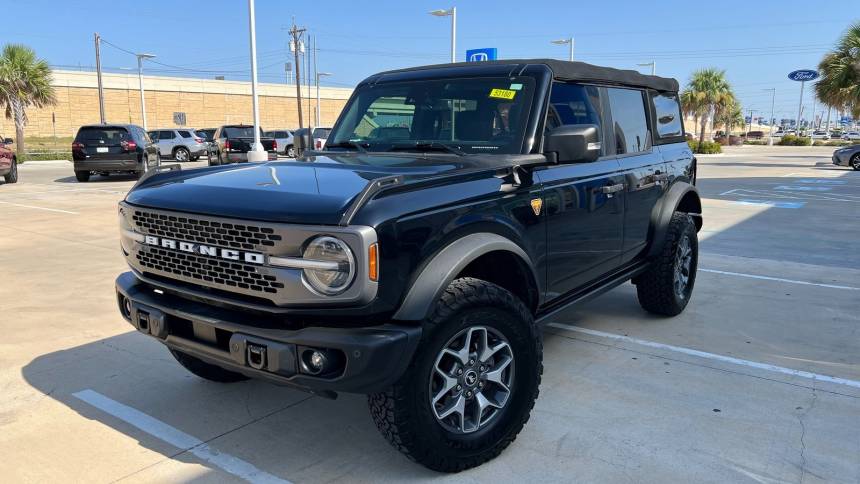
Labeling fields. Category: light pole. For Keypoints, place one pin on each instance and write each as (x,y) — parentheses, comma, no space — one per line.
(320,74)
(653,65)
(771,120)
(451,12)
(256,153)
(749,127)
(568,42)
(140,58)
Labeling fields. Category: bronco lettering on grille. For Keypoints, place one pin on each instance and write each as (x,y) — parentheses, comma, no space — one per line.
(207,250)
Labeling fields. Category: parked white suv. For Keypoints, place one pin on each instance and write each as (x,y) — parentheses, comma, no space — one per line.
(851,136)
(284,138)
(179,144)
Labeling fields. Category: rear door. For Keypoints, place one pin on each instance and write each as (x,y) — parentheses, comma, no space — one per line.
(644,170)
(105,142)
(584,202)
(166,142)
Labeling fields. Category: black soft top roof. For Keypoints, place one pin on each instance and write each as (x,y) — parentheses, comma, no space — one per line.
(571,71)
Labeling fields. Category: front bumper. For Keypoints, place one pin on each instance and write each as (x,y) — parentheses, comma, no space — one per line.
(371,358)
(839,161)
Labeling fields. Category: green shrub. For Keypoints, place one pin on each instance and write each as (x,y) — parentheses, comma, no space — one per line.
(706,148)
(48,155)
(757,142)
(792,140)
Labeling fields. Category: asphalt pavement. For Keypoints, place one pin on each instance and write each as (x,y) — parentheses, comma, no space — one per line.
(758,381)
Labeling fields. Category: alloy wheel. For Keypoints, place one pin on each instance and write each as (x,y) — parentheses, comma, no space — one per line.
(471,379)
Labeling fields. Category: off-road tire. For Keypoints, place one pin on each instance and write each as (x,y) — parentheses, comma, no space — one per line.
(656,287)
(12,176)
(855,162)
(205,370)
(82,176)
(403,413)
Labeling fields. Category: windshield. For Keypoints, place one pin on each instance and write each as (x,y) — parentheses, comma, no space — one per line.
(473,115)
(241,131)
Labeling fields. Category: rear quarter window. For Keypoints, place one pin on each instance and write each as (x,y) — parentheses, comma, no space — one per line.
(667,116)
(185,134)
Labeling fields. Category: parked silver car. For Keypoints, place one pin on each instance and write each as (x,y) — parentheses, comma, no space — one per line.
(179,144)
(284,137)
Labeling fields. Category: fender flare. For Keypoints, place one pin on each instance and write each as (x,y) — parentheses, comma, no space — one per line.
(670,203)
(444,267)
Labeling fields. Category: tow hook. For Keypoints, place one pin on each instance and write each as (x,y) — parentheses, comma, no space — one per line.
(256,356)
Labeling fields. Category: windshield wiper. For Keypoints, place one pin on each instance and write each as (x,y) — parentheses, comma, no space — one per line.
(427,146)
(347,144)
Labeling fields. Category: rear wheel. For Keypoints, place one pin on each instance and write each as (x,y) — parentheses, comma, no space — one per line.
(855,162)
(668,284)
(181,154)
(205,370)
(12,176)
(82,176)
(290,151)
(472,382)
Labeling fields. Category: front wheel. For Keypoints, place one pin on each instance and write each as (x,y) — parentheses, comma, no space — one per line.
(290,151)
(666,287)
(472,382)
(855,162)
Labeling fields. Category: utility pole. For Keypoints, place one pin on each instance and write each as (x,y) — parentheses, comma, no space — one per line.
(140,58)
(257,153)
(771,121)
(98,41)
(296,37)
(749,127)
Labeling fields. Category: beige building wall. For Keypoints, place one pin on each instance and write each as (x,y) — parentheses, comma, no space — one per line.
(206,103)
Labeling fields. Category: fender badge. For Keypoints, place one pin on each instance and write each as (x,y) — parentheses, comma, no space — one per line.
(536,203)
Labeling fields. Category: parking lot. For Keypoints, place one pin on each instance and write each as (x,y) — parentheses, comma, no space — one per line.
(759,380)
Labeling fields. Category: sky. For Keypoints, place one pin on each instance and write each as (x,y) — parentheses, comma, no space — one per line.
(756,46)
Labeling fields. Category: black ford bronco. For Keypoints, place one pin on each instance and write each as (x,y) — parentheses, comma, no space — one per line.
(453,209)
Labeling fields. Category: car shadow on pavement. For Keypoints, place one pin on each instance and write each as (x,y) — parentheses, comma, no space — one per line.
(98,179)
(283,432)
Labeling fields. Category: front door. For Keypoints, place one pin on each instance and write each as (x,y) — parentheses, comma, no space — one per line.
(584,201)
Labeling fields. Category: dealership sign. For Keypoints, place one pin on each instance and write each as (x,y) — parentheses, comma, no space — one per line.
(803,75)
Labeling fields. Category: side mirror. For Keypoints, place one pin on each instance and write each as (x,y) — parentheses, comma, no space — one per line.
(573,143)
(8,141)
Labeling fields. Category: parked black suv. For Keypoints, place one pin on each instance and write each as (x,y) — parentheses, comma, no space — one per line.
(113,148)
(453,209)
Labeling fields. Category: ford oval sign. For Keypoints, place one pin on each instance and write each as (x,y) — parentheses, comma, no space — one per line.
(803,75)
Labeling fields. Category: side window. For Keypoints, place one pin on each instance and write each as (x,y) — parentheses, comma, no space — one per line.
(629,122)
(153,135)
(574,104)
(667,111)
(185,134)
(167,135)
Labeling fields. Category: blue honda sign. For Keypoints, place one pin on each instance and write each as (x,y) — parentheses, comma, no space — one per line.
(478,55)
(803,75)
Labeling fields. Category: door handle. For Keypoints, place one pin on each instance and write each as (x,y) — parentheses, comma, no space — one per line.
(660,177)
(610,189)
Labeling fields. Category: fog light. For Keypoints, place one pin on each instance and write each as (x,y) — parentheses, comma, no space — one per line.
(320,362)
(317,361)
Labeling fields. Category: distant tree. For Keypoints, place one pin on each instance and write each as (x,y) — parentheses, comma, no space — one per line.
(839,85)
(25,81)
(707,93)
(731,116)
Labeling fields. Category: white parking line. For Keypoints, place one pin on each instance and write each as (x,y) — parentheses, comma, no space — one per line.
(710,356)
(177,438)
(779,279)
(40,208)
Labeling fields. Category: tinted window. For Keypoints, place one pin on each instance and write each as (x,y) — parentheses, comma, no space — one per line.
(629,121)
(574,104)
(241,131)
(321,132)
(668,113)
(166,135)
(185,134)
(102,135)
(153,135)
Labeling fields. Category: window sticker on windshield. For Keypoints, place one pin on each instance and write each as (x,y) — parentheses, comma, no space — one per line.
(516,87)
(503,94)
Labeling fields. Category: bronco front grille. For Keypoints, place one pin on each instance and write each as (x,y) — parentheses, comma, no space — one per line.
(182,227)
(224,273)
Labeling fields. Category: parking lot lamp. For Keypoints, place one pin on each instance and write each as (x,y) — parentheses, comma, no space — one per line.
(140,58)
(569,43)
(320,74)
(451,12)
(771,120)
(256,153)
(653,65)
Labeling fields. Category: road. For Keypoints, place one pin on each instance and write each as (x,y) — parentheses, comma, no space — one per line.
(758,381)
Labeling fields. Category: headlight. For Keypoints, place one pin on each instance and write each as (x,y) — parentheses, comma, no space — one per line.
(340,272)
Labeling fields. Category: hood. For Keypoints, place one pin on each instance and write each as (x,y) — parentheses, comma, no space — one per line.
(317,190)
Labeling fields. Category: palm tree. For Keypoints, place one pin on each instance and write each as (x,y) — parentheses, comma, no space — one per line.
(707,93)
(731,116)
(25,81)
(839,85)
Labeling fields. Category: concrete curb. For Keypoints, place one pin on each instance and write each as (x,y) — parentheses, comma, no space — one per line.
(45,162)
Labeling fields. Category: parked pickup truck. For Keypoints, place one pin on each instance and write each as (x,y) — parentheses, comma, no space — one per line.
(415,256)
(231,144)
